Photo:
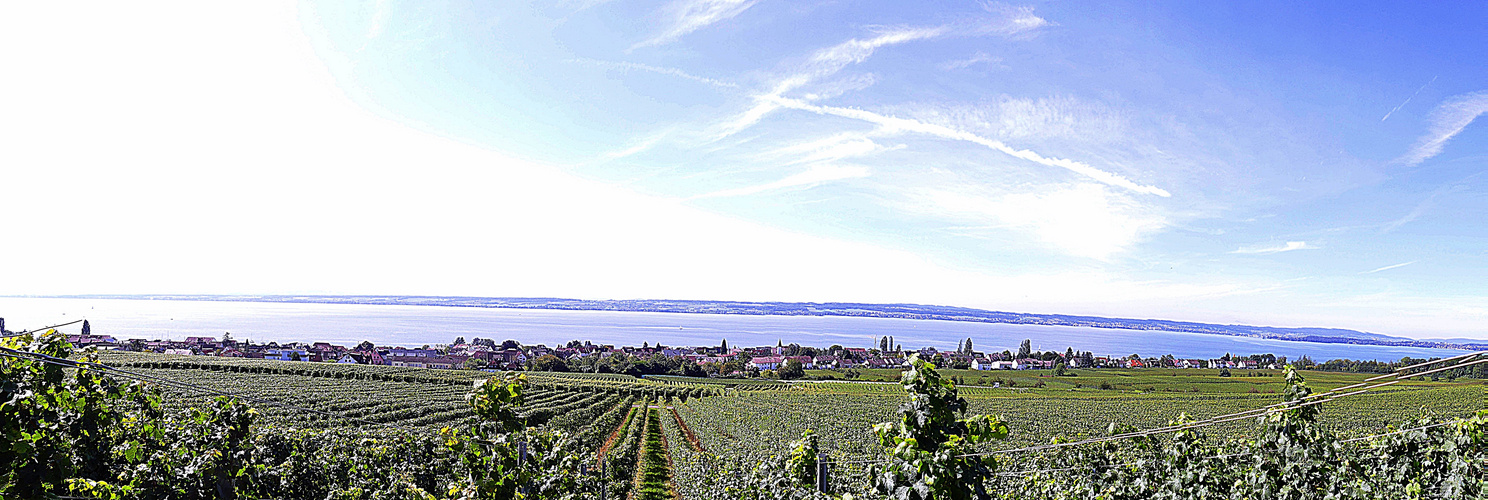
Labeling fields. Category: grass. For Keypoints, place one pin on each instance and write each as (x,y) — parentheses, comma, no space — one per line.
(655,474)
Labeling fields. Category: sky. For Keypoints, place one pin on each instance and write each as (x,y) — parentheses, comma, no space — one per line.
(1265,163)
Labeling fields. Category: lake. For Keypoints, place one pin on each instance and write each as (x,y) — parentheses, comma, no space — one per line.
(349,324)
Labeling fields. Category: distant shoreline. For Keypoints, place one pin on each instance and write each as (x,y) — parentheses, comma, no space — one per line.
(895,311)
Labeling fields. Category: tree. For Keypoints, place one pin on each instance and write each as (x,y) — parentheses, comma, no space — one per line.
(366,345)
(510,344)
(1069,353)
(1059,369)
(724,345)
(294,355)
(968,345)
(791,370)
(960,346)
(1025,349)
(549,363)
(459,340)
(226,338)
(474,363)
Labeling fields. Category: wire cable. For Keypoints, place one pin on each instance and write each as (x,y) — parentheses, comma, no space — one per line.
(1316,399)
(43,328)
(1233,455)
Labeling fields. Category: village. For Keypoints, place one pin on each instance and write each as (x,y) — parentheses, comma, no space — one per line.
(713,361)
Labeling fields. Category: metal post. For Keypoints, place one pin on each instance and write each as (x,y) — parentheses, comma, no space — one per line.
(522,462)
(821,473)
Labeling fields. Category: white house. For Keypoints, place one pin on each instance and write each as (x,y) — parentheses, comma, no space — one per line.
(287,354)
(766,362)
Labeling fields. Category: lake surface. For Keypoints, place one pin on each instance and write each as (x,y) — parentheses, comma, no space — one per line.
(348,324)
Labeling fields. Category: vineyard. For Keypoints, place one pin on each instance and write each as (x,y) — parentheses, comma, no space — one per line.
(386,432)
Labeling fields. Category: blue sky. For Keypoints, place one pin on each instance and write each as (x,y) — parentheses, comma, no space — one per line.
(1263,163)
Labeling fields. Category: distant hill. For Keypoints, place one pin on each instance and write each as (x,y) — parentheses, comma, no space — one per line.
(902,311)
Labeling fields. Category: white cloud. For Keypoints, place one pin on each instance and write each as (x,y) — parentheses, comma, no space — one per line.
(1084,220)
(1019,118)
(1446,122)
(1270,249)
(1387,268)
(688,16)
(891,125)
(815,175)
(631,66)
(975,59)
(828,149)
(381,11)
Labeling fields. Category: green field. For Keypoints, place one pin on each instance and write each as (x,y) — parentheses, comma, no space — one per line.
(750,421)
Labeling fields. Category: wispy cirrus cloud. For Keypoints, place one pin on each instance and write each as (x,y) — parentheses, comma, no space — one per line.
(1270,249)
(830,60)
(1387,268)
(817,174)
(975,59)
(688,16)
(632,66)
(1084,220)
(891,125)
(832,148)
(1447,120)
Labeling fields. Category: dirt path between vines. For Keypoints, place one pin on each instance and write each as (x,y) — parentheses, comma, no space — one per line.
(610,441)
(692,439)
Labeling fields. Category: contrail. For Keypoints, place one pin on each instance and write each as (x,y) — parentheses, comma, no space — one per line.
(1408,99)
(1387,268)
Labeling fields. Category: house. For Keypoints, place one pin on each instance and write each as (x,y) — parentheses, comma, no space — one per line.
(352,358)
(824,362)
(287,354)
(405,361)
(180,352)
(372,357)
(1189,363)
(86,340)
(201,340)
(446,362)
(412,353)
(766,362)
(1032,364)
(806,361)
(1135,363)
(715,359)
(982,364)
